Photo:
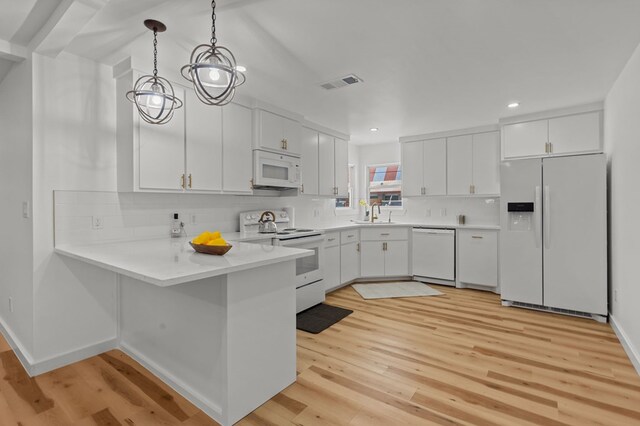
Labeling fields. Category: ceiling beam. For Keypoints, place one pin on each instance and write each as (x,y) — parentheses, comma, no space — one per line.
(13,52)
(66,22)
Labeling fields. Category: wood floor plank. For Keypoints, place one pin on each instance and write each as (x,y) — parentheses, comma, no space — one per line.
(456,359)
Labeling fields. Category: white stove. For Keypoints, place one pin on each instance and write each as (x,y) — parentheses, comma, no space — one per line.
(250,222)
(309,270)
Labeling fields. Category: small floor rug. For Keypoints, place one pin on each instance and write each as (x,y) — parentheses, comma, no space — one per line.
(394,289)
(320,317)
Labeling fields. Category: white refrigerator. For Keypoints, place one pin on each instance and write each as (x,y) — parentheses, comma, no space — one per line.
(553,239)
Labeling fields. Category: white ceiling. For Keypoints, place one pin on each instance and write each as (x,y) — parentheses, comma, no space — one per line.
(428,65)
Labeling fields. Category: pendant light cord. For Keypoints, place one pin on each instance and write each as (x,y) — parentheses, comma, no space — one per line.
(155,52)
(213,23)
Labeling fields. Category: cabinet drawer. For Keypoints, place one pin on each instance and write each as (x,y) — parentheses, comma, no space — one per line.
(332,239)
(375,233)
(350,236)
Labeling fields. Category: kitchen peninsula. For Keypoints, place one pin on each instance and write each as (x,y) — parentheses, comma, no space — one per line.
(218,329)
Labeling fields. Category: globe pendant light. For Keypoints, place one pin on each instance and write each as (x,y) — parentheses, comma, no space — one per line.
(153,95)
(212,70)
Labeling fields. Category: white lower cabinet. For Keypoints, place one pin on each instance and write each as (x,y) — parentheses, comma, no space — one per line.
(349,262)
(372,259)
(331,261)
(384,252)
(478,257)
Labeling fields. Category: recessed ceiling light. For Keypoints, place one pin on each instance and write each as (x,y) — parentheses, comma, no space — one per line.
(513,105)
(374,129)
(241,68)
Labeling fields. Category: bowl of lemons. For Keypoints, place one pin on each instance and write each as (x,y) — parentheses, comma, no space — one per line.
(210,243)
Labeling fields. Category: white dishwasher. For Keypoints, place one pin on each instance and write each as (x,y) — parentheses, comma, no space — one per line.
(434,255)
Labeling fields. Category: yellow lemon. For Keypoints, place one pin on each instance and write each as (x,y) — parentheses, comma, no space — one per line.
(217,242)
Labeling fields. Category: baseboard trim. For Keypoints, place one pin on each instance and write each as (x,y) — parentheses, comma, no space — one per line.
(18,348)
(629,348)
(57,361)
(212,409)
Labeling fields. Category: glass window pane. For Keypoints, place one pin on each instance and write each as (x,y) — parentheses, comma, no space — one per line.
(385,185)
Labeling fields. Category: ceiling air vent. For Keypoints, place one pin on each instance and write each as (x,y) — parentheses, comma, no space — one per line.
(341,82)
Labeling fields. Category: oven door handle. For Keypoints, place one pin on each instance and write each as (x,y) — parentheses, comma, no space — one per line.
(301,241)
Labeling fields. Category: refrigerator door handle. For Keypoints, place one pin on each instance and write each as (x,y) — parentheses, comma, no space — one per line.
(538,216)
(547,217)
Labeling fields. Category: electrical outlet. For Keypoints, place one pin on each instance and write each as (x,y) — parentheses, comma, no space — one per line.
(192,219)
(316,212)
(10,304)
(428,213)
(443,212)
(97,222)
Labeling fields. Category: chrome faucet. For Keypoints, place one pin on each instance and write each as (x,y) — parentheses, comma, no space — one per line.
(390,216)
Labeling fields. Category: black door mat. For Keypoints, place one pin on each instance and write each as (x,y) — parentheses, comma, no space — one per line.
(320,317)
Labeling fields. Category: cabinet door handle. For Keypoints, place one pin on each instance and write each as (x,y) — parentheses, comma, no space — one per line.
(472,189)
(190,181)
(550,148)
(384,234)
(331,239)
(182,182)
(302,188)
(384,246)
(251,183)
(358,247)
(478,237)
(350,236)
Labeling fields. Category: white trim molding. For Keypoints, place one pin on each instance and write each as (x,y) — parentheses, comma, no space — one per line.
(629,348)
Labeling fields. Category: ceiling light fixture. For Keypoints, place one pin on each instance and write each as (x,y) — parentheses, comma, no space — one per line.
(153,95)
(374,129)
(513,105)
(212,70)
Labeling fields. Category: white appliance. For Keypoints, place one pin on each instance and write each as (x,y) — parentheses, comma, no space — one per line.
(309,270)
(434,255)
(553,239)
(275,171)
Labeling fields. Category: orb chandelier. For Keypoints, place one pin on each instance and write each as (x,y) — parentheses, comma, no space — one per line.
(212,70)
(153,95)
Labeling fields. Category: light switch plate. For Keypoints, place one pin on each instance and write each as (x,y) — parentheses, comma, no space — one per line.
(443,212)
(26,209)
(428,213)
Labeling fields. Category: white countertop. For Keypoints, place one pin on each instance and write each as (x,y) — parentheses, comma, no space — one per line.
(352,225)
(254,237)
(165,262)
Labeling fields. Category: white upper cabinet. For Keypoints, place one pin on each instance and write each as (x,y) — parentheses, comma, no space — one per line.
(341,167)
(525,139)
(309,162)
(575,134)
(412,168)
(435,167)
(237,151)
(460,165)
(333,166)
(578,133)
(277,133)
(204,145)
(326,165)
(486,163)
(424,167)
(160,150)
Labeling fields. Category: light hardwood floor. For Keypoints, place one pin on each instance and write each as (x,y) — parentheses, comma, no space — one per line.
(455,359)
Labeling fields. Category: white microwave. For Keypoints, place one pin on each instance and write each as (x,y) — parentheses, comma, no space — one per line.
(272,170)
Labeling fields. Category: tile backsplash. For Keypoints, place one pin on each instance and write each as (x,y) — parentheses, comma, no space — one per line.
(131,216)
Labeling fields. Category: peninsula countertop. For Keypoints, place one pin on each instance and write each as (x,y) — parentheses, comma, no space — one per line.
(166,262)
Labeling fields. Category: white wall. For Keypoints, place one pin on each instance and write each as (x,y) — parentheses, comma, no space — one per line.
(16,262)
(622,143)
(73,148)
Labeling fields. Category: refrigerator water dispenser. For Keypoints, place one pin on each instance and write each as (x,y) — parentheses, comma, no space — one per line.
(520,216)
